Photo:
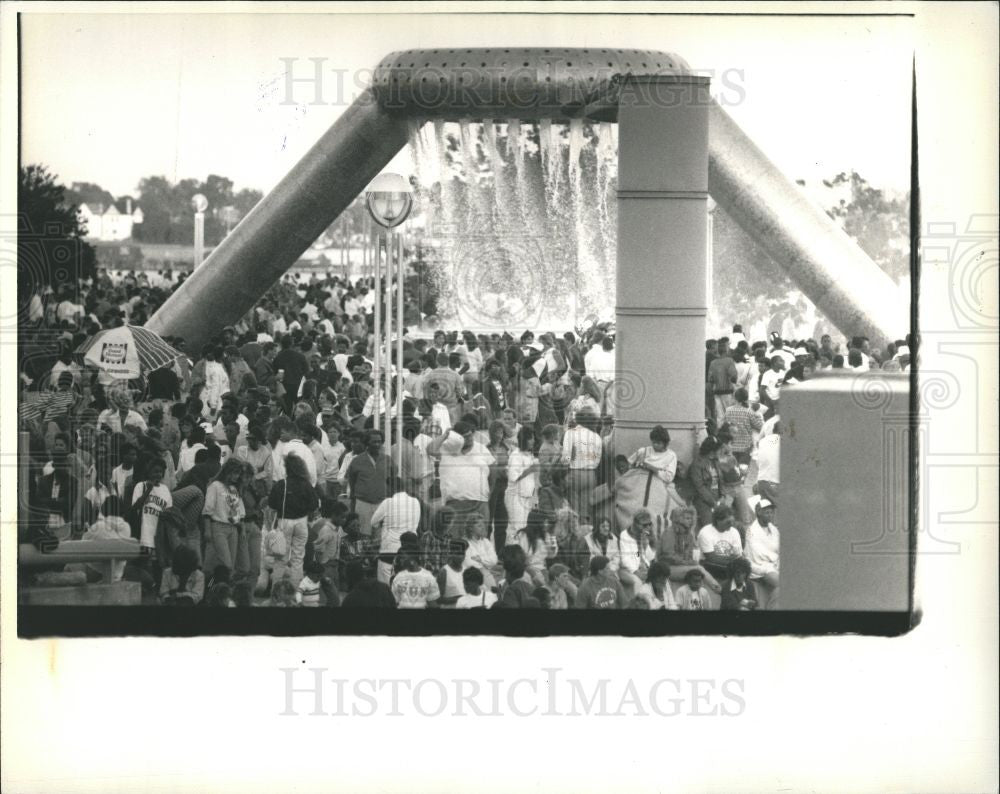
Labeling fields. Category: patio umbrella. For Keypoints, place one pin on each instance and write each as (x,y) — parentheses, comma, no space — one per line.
(128,352)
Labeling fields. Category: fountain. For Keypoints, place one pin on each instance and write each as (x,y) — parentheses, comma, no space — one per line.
(675,145)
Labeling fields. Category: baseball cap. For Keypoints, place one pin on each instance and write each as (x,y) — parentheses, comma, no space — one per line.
(764,503)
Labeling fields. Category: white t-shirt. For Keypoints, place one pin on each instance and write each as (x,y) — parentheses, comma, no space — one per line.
(398,514)
(727,543)
(466,476)
(770,383)
(413,589)
(600,363)
(664,462)
(768,458)
(185,460)
(158,501)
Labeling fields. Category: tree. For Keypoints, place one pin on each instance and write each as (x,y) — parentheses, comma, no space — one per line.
(879,224)
(51,250)
(88,193)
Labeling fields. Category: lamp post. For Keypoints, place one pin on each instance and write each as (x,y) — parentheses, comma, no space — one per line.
(389,199)
(200,204)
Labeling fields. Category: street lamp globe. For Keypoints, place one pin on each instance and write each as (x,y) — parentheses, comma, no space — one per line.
(199,202)
(389,198)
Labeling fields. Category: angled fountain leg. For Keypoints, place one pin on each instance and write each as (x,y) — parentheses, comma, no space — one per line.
(284,224)
(827,265)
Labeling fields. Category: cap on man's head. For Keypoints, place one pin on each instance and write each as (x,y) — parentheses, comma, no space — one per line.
(764,503)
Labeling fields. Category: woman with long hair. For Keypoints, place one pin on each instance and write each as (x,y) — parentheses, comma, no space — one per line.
(539,545)
(656,590)
(293,499)
(522,485)
(225,510)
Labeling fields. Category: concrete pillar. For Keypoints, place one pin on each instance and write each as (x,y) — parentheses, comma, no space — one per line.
(662,253)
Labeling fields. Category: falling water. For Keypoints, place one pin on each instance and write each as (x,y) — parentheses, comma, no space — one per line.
(523,234)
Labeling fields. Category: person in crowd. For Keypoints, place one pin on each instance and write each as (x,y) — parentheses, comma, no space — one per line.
(183,583)
(601,589)
(722,378)
(225,511)
(743,423)
(761,550)
(415,587)
(328,532)
(449,577)
(678,547)
(657,458)
(581,454)
(497,508)
(706,479)
(692,596)
(367,476)
(516,590)
(719,542)
(739,594)
(538,542)
(635,552)
(656,590)
(770,384)
(309,589)
(435,544)
(464,469)
(476,595)
(293,499)
(109,526)
(768,463)
(522,485)
(150,498)
(732,474)
(396,515)
(481,552)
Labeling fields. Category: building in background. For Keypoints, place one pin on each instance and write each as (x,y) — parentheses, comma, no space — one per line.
(110,222)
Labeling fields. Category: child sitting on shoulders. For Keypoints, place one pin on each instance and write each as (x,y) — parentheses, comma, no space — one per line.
(693,595)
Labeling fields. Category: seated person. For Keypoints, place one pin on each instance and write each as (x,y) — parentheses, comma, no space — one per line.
(692,595)
(183,583)
(476,595)
(739,593)
(602,589)
(678,547)
(719,542)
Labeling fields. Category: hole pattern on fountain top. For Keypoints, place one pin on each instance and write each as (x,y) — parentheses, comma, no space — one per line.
(529,83)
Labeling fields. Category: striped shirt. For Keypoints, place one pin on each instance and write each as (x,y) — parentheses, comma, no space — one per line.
(308,593)
(742,423)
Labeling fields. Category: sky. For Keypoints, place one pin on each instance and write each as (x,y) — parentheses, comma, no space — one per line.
(110,98)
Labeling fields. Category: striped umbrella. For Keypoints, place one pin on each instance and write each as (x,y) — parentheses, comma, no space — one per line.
(128,352)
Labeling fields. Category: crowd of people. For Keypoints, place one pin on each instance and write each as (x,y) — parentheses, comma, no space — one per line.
(268,468)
